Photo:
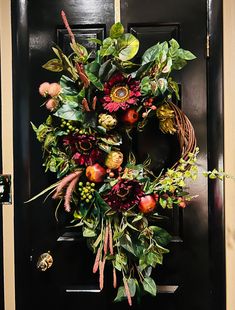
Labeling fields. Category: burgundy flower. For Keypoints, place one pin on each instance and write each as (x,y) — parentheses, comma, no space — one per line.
(120,93)
(124,195)
(84,149)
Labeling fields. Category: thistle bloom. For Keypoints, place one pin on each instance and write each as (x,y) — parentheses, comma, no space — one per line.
(124,195)
(84,149)
(120,93)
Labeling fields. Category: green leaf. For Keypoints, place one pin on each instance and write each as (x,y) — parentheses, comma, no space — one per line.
(186,55)
(87,232)
(132,286)
(161,235)
(162,85)
(173,87)
(150,54)
(94,40)
(116,30)
(126,243)
(121,295)
(69,113)
(163,202)
(68,86)
(54,65)
(178,64)
(128,46)
(174,44)
(149,286)
(100,202)
(95,80)
(107,47)
(145,85)
(80,51)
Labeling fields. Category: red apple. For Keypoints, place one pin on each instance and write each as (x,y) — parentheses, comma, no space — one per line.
(130,116)
(147,204)
(95,173)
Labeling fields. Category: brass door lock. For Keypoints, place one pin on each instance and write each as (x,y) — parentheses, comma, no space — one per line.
(45,261)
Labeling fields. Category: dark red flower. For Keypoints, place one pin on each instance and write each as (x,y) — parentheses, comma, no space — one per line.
(124,195)
(120,93)
(84,149)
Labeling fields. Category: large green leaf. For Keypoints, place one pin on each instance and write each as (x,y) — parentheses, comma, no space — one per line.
(128,46)
(69,113)
(150,54)
(150,286)
(68,86)
(54,65)
(116,30)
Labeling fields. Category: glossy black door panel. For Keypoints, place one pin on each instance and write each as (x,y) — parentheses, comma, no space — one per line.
(185,279)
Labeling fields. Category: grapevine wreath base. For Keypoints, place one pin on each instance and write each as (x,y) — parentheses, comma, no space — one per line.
(116,202)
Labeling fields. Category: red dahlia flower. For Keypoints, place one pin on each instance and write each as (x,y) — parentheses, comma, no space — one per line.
(120,93)
(83,148)
(124,195)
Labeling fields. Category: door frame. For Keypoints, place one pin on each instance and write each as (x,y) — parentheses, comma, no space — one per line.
(215,136)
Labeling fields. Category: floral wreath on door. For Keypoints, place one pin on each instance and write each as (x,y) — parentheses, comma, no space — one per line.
(114,200)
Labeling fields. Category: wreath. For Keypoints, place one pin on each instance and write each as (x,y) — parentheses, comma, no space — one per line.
(114,201)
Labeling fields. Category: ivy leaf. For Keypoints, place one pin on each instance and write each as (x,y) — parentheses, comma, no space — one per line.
(145,85)
(128,46)
(173,87)
(54,65)
(116,30)
(80,51)
(174,44)
(149,286)
(126,243)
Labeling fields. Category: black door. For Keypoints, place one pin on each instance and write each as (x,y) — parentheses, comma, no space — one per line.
(187,279)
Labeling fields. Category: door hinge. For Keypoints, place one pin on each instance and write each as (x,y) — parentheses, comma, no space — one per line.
(208,37)
(5,189)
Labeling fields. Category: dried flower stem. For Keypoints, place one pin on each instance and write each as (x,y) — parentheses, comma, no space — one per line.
(69,192)
(65,181)
(101,278)
(127,290)
(65,21)
(97,259)
(114,278)
(106,238)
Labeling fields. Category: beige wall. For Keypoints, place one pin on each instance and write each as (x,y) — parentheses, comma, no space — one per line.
(229,120)
(229,87)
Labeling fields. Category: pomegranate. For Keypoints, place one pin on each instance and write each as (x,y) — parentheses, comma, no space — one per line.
(130,116)
(95,173)
(147,204)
